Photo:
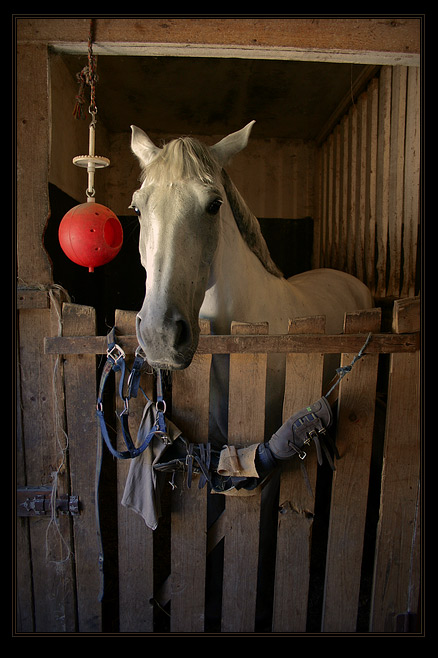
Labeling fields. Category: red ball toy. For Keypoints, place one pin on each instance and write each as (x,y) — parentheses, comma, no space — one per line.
(90,235)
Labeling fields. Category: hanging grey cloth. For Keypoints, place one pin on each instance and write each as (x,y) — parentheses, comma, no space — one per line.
(142,488)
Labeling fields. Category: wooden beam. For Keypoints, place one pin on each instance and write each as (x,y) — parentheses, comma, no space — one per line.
(361,40)
(324,344)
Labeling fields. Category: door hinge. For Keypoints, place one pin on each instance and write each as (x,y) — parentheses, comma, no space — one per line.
(37,501)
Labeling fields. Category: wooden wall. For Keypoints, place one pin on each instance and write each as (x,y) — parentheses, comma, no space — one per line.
(368,209)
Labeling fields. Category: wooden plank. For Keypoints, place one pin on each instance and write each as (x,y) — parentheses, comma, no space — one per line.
(411,203)
(352,227)
(396,181)
(350,483)
(406,315)
(32,298)
(329,344)
(383,169)
(362,184)
(246,423)
(135,539)
(397,562)
(345,191)
(296,503)
(33,152)
(190,411)
(46,548)
(80,393)
(370,237)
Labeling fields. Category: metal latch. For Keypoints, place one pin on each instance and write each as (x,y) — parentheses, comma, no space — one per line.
(37,501)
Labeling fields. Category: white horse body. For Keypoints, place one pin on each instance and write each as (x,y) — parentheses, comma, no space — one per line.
(200,263)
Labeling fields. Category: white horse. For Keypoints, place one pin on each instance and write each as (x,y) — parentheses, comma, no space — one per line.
(205,256)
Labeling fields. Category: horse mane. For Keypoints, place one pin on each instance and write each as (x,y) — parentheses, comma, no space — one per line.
(185,158)
(249,226)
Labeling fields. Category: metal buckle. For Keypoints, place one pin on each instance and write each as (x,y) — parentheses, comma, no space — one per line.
(120,354)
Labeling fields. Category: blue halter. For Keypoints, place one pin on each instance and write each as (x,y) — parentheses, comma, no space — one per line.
(115,362)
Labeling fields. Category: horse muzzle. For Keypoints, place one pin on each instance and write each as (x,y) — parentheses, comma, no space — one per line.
(169,341)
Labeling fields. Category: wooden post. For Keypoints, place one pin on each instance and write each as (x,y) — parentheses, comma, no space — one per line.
(303,387)
(135,539)
(397,561)
(350,482)
(190,409)
(80,393)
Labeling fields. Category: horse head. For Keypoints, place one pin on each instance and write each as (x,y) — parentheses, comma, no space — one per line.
(179,205)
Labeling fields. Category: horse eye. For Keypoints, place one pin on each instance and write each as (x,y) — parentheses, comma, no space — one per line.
(136,210)
(214,206)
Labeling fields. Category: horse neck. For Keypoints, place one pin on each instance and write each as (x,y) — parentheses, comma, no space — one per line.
(239,282)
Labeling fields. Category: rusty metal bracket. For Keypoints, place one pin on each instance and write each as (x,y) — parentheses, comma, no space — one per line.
(37,501)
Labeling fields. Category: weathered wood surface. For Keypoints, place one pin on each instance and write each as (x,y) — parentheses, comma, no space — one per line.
(398,557)
(356,39)
(190,410)
(246,424)
(80,391)
(350,483)
(287,343)
(135,539)
(296,503)
(396,581)
(369,186)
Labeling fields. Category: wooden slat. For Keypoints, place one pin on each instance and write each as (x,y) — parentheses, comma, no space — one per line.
(296,504)
(396,188)
(345,221)
(362,184)
(246,424)
(370,237)
(383,169)
(80,393)
(352,227)
(135,539)
(329,344)
(190,410)
(397,562)
(411,202)
(51,589)
(350,483)
(406,315)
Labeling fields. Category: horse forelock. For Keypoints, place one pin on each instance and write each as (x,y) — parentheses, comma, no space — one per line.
(181,159)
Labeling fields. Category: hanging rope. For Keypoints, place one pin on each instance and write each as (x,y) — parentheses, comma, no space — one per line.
(87,77)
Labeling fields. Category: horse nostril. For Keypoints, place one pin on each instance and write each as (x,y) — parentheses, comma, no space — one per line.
(183,334)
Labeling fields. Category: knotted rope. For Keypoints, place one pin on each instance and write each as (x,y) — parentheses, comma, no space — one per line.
(87,76)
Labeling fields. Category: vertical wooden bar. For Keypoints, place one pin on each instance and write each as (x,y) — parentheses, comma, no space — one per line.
(190,409)
(345,191)
(396,188)
(80,393)
(383,168)
(397,559)
(352,227)
(47,548)
(337,197)
(370,236)
(411,204)
(245,427)
(303,386)
(135,539)
(350,482)
(362,182)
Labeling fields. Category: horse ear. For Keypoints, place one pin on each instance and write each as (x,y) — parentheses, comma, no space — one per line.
(232,144)
(142,146)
